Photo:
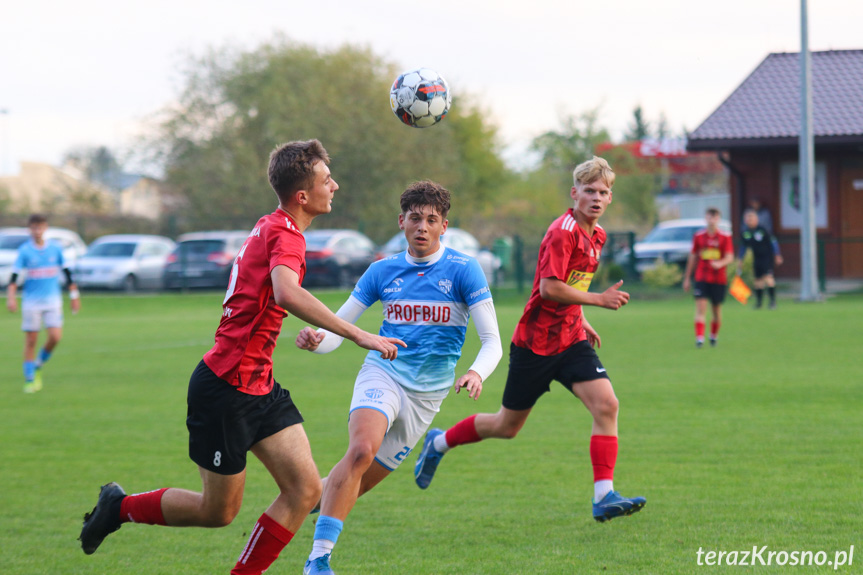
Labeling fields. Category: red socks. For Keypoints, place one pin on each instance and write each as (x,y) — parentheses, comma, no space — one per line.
(603,456)
(699,330)
(714,329)
(463,432)
(143,508)
(267,540)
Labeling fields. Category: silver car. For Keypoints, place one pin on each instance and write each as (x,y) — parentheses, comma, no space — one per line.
(12,238)
(124,261)
(668,242)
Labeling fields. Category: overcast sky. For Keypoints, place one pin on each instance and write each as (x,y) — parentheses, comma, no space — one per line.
(86,72)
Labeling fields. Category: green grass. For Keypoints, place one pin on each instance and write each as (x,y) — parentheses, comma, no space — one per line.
(757,442)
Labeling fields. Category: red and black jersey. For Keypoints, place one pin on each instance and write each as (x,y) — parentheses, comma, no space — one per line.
(251,320)
(709,247)
(569,254)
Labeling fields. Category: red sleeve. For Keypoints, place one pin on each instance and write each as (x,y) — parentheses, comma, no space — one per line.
(286,247)
(694,249)
(728,247)
(554,259)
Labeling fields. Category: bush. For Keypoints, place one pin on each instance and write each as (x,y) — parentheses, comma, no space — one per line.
(663,275)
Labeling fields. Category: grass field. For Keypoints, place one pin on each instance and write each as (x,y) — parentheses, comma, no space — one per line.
(754,443)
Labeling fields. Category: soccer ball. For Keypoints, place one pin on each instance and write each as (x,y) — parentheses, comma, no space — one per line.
(420,98)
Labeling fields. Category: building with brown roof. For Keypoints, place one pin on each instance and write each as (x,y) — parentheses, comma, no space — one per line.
(755,131)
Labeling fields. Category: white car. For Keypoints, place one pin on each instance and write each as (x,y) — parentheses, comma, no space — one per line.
(124,261)
(456,239)
(12,238)
(669,241)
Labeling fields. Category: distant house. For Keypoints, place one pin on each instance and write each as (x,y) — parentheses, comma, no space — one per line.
(755,131)
(142,197)
(44,188)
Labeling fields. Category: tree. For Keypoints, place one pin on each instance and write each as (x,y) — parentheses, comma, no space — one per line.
(639,128)
(237,106)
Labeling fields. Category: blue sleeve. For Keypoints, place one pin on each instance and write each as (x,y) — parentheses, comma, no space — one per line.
(775,243)
(60,255)
(474,286)
(20,261)
(366,290)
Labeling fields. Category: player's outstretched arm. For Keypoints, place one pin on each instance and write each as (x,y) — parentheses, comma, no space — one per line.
(290,295)
(324,341)
(687,274)
(556,290)
(490,352)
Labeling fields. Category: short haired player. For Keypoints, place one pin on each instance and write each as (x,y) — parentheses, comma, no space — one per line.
(234,404)
(428,293)
(554,341)
(43,264)
(712,250)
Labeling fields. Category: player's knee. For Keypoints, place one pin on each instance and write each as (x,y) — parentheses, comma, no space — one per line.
(607,408)
(221,516)
(309,492)
(361,455)
(509,429)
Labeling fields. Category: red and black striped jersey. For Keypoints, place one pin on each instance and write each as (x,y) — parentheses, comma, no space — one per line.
(569,254)
(251,320)
(708,247)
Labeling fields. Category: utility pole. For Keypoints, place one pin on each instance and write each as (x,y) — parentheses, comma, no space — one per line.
(808,255)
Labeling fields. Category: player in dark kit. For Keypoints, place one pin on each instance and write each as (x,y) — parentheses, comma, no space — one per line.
(234,404)
(553,340)
(712,251)
(765,254)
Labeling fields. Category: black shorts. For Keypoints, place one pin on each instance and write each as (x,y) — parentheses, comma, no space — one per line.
(762,267)
(224,423)
(530,375)
(714,292)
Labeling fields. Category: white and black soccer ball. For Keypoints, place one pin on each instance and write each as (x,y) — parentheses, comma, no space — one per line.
(420,98)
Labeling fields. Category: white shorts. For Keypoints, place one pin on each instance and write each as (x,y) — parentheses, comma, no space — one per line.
(409,413)
(33,318)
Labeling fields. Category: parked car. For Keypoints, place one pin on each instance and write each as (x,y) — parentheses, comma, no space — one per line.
(12,238)
(454,238)
(669,241)
(337,257)
(124,261)
(203,259)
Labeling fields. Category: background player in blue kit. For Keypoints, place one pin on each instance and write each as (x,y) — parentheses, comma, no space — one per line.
(428,293)
(41,298)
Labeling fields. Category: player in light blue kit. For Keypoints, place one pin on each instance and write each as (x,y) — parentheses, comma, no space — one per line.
(41,298)
(428,293)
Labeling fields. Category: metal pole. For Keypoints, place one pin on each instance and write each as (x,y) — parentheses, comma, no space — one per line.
(808,258)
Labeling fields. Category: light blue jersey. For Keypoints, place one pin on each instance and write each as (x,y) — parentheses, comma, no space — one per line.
(44,267)
(427,306)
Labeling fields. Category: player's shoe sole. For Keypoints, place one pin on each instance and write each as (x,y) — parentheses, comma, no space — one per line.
(103,520)
(428,460)
(318,566)
(615,505)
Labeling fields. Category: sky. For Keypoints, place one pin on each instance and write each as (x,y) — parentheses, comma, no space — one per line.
(91,72)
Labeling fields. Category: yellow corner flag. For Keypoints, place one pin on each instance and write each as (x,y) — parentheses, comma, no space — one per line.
(739,290)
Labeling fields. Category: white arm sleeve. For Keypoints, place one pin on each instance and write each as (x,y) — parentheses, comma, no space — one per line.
(350,311)
(485,320)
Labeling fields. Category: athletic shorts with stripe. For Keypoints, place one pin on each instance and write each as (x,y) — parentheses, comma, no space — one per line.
(409,413)
(530,375)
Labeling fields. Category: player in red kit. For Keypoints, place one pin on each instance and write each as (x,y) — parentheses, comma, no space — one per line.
(554,341)
(234,404)
(712,251)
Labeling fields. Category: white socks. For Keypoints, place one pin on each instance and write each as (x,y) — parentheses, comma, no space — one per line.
(601,489)
(440,444)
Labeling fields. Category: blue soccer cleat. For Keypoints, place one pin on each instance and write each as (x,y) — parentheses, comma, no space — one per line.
(318,566)
(616,505)
(428,460)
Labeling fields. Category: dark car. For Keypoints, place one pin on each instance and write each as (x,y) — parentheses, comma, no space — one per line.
(203,259)
(337,257)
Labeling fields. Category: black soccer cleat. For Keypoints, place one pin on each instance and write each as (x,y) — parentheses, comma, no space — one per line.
(103,520)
